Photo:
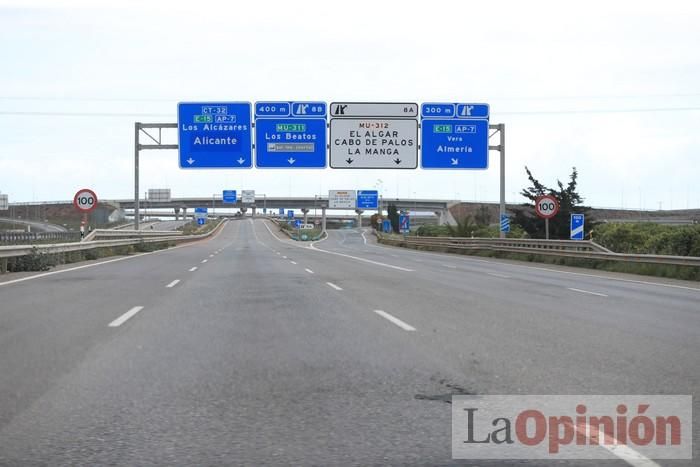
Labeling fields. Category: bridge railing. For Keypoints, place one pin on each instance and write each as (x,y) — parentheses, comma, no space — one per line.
(561,248)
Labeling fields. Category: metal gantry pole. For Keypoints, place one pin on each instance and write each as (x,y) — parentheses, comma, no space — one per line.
(502,144)
(137,128)
(501,148)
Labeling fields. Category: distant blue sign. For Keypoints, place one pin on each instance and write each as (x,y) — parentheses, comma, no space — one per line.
(386,225)
(290,214)
(454,136)
(505,223)
(290,135)
(215,135)
(201,221)
(404,223)
(577,225)
(230,197)
(201,210)
(281,212)
(297,223)
(367,199)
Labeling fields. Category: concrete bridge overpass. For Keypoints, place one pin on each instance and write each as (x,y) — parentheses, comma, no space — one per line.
(185,206)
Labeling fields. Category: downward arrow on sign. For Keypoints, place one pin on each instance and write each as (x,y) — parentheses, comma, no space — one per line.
(455,161)
(397,161)
(349,160)
(190,161)
(241,160)
(291,160)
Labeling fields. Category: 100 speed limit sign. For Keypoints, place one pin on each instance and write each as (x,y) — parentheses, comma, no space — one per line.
(546,206)
(85,200)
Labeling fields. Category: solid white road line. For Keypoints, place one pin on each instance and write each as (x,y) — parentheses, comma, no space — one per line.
(364,260)
(293,262)
(471,259)
(193,269)
(333,286)
(450,266)
(92,265)
(587,291)
(122,319)
(211,256)
(395,320)
(495,274)
(363,237)
(309,271)
(173,284)
(204,260)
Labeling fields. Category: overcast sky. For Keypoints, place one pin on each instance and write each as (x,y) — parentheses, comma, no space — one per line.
(611,87)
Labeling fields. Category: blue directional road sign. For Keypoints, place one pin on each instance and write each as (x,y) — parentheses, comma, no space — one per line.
(229,196)
(290,135)
(200,214)
(577,224)
(505,223)
(214,135)
(281,212)
(297,223)
(367,199)
(454,136)
(386,225)
(290,214)
(404,223)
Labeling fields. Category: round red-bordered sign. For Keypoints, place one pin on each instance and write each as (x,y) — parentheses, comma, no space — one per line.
(85,200)
(546,206)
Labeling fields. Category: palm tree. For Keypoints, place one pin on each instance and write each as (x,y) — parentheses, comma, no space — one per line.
(462,229)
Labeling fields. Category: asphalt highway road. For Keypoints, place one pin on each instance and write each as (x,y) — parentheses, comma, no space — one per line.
(252,349)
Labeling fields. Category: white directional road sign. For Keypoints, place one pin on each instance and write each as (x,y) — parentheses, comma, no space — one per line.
(372,143)
(85,200)
(546,206)
(248,196)
(161,195)
(374,109)
(3,203)
(342,199)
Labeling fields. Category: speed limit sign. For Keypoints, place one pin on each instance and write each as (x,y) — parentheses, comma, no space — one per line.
(85,200)
(546,206)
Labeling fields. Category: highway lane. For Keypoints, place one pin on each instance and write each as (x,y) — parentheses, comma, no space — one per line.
(272,353)
(48,324)
(35,225)
(525,330)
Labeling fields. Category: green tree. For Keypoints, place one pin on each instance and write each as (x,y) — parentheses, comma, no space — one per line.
(393,215)
(570,201)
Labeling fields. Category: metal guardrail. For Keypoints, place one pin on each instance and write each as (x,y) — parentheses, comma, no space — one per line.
(562,248)
(109,233)
(18,238)
(11,251)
